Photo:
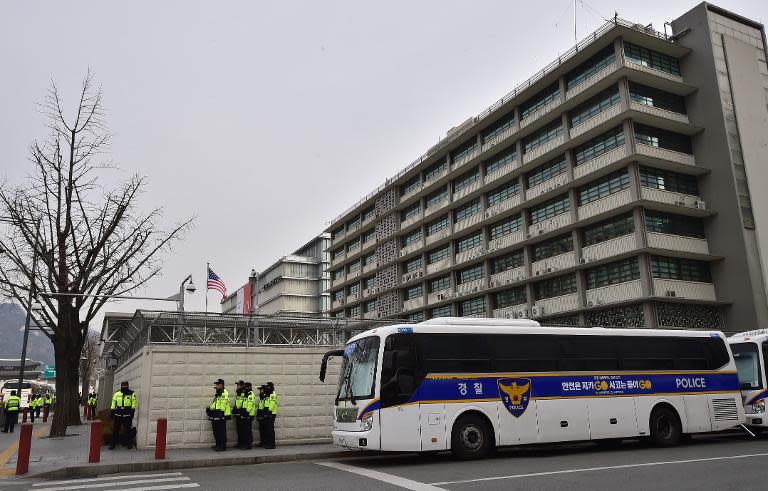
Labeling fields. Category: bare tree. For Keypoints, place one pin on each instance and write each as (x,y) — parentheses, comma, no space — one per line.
(92,240)
(88,356)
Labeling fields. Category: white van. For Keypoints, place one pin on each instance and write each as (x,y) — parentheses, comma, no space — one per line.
(750,351)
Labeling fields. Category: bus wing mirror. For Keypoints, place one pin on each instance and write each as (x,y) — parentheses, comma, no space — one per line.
(324,363)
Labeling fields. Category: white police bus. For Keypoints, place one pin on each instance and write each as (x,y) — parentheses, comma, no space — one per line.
(467,385)
(750,351)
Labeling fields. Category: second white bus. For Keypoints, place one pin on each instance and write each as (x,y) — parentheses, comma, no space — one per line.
(750,351)
(468,385)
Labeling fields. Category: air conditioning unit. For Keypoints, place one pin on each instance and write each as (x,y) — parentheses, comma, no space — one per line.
(584,260)
(508,315)
(700,204)
(594,303)
(342,301)
(488,214)
(671,293)
(537,311)
(355,296)
(521,314)
(510,280)
(492,284)
(549,270)
(440,296)
(419,274)
(474,289)
(680,203)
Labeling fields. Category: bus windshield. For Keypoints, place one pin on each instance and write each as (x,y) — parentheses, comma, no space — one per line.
(358,370)
(747,360)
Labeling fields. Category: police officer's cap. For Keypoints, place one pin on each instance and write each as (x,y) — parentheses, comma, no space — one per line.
(270,385)
(239,382)
(220,381)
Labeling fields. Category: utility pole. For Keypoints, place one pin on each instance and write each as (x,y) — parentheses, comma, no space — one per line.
(30,300)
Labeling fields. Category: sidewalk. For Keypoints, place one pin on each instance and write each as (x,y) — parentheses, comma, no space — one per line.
(68,456)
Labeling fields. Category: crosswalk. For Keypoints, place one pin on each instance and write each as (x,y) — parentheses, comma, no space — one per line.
(132,482)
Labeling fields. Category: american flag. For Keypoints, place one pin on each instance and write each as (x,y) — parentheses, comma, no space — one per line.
(215,283)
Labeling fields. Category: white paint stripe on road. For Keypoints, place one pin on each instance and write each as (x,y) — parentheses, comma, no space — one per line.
(609,467)
(157,488)
(114,484)
(381,476)
(108,478)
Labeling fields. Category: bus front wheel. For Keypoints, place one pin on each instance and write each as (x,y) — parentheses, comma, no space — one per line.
(471,438)
(666,430)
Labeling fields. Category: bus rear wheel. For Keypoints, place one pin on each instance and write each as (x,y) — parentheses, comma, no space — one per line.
(471,438)
(666,430)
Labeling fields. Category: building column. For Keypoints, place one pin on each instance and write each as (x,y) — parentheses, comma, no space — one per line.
(624,93)
(634,181)
(570,163)
(574,199)
(646,279)
(649,316)
(637,215)
(618,46)
(629,135)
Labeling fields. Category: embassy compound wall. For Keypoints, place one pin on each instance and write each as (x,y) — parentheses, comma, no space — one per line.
(175,382)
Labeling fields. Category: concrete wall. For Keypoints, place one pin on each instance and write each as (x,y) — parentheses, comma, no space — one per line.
(176,382)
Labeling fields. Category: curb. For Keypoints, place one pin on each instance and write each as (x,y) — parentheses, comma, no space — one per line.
(161,465)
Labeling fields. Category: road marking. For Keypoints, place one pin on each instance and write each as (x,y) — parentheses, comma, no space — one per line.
(381,476)
(115,484)
(6,454)
(591,469)
(109,478)
(153,488)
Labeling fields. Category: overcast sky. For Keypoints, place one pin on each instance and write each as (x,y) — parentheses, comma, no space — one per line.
(268,119)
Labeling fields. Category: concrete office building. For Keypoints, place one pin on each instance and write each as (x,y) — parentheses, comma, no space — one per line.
(296,285)
(612,188)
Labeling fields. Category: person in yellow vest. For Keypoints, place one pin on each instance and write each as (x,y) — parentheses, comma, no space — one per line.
(92,400)
(249,409)
(48,401)
(123,408)
(270,413)
(31,405)
(240,413)
(219,412)
(12,405)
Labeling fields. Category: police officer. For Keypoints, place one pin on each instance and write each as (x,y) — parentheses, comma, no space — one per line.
(218,412)
(270,413)
(260,414)
(240,413)
(123,408)
(11,406)
(31,404)
(38,404)
(249,409)
(92,403)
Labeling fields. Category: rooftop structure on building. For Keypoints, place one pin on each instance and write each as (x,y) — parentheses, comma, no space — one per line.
(295,285)
(612,188)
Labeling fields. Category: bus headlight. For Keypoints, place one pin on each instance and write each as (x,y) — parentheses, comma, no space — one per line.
(759,406)
(367,421)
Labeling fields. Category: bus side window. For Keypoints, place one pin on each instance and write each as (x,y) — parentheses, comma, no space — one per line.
(765,358)
(399,370)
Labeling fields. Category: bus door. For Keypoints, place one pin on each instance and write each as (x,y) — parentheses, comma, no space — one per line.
(400,376)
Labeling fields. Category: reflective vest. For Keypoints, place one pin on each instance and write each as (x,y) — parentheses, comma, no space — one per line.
(250,404)
(220,406)
(31,404)
(270,403)
(92,401)
(13,403)
(124,404)
(48,400)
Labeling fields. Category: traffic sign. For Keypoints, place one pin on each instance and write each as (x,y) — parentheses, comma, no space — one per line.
(50,371)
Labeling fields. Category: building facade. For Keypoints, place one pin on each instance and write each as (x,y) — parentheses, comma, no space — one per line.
(296,285)
(612,188)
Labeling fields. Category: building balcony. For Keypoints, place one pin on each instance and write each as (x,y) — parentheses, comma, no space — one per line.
(367,292)
(505,205)
(353,251)
(470,287)
(543,149)
(411,220)
(436,177)
(339,281)
(546,186)
(499,173)
(412,247)
(440,296)
(677,243)
(492,142)
(519,311)
(604,205)
(412,276)
(368,220)
(508,277)
(411,192)
(414,303)
(657,111)
(436,207)
(437,236)
(550,224)
(507,241)
(338,238)
(351,275)
(656,153)
(690,290)
(539,113)
(338,259)
(652,71)
(470,254)
(353,297)
(553,264)
(439,265)
(463,160)
(467,190)
(338,304)
(468,222)
(369,267)
(555,305)
(620,292)
(597,163)
(368,244)
(672,198)
(586,84)
(612,247)
(353,227)
(596,120)
(372,314)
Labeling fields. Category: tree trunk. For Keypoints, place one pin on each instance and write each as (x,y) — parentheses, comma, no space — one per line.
(67,386)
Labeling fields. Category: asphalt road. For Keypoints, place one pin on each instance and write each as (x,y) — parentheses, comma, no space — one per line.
(713,462)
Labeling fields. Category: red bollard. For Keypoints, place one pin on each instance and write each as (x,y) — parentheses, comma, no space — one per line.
(45,414)
(94,455)
(24,412)
(162,430)
(25,445)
